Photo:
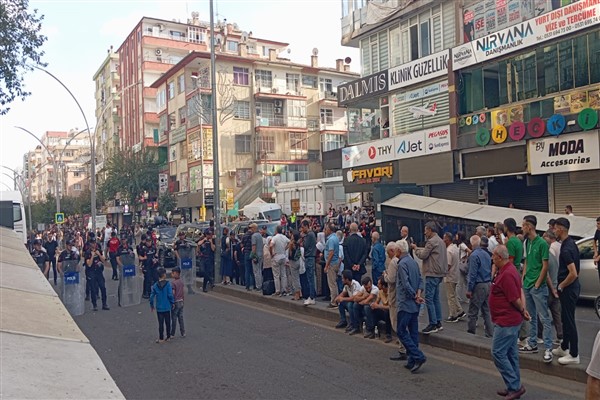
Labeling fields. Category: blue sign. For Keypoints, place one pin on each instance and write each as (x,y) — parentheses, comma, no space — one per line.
(128,270)
(186,263)
(556,124)
(71,278)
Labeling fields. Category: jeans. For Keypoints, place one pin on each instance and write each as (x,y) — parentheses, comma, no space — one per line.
(177,315)
(164,318)
(374,316)
(536,301)
(257,268)
(209,270)
(309,264)
(279,275)
(432,299)
(568,301)
(332,274)
(408,333)
(505,352)
(554,306)
(479,301)
(375,274)
(248,272)
(348,306)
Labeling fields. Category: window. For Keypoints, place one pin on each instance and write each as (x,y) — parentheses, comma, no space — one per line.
(333,142)
(243,144)
(375,53)
(160,100)
(325,85)
(292,81)
(240,76)
(241,109)
(265,110)
(196,35)
(181,83)
(172,121)
(77,186)
(182,113)
(265,50)
(326,116)
(263,78)
(242,176)
(265,144)
(76,174)
(176,35)
(171,88)
(298,141)
(232,46)
(425,38)
(297,173)
(310,81)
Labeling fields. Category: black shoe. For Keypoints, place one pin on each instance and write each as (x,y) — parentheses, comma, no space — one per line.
(204,290)
(369,335)
(348,329)
(460,316)
(409,366)
(105,308)
(471,332)
(430,329)
(354,332)
(87,298)
(341,325)
(399,357)
(95,308)
(417,366)
(439,327)
(145,296)
(452,319)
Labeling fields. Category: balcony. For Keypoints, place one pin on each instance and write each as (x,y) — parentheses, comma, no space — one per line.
(274,92)
(281,156)
(290,124)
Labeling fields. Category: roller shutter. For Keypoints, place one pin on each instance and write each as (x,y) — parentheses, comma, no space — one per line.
(581,190)
(526,194)
(458,191)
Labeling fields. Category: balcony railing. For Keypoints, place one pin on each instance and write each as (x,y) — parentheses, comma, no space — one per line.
(328,95)
(293,155)
(277,122)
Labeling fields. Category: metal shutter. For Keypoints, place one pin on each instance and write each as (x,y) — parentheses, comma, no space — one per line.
(505,190)
(457,191)
(583,195)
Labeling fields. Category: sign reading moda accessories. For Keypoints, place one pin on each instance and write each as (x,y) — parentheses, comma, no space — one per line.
(563,21)
(426,141)
(574,152)
(368,86)
(420,70)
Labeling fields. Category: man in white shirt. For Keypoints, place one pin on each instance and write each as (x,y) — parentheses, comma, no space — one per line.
(346,302)
(277,249)
(455,311)
(367,294)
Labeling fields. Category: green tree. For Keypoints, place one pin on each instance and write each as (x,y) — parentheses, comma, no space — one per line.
(131,174)
(20,42)
(166,203)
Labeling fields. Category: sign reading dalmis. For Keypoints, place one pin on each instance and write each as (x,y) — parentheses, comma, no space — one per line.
(368,86)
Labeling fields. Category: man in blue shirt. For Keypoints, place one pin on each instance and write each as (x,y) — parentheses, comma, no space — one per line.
(378,257)
(332,262)
(479,283)
(409,286)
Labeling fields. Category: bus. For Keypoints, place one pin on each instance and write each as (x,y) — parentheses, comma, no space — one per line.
(12,213)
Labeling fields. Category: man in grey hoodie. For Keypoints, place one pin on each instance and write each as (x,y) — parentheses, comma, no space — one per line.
(435,268)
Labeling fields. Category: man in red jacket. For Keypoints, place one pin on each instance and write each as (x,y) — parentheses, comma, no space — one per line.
(113,247)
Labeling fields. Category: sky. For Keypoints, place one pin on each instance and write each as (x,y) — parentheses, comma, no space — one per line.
(80,32)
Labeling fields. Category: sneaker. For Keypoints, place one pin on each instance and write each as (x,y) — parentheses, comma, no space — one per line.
(388,339)
(528,349)
(557,342)
(417,366)
(354,332)
(439,327)
(461,316)
(332,306)
(540,341)
(548,356)
(341,325)
(430,329)
(568,359)
(559,352)
(452,319)
(369,335)
(105,308)
(94,308)
(348,328)
(522,343)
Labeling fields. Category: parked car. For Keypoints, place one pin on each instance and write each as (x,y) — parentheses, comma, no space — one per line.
(588,272)
(166,236)
(240,227)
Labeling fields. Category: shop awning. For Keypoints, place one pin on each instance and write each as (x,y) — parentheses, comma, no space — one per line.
(580,226)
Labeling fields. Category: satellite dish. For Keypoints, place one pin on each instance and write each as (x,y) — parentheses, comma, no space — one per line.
(315,51)
(219,38)
(347,60)
(289,51)
(244,36)
(195,14)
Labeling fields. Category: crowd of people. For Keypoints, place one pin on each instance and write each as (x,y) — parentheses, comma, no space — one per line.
(523,285)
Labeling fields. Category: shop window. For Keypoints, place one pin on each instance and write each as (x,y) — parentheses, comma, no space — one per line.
(594,53)
(580,51)
(565,65)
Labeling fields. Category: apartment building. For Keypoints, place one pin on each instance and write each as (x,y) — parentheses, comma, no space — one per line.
(274,118)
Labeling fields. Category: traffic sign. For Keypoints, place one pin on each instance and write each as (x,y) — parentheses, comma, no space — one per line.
(295,205)
(59,218)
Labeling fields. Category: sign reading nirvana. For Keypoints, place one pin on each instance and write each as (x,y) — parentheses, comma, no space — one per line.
(575,152)
(560,22)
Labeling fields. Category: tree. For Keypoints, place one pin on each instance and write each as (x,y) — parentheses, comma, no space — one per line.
(20,41)
(166,203)
(131,174)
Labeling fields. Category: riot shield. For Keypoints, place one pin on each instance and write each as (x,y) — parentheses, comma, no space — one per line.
(72,290)
(130,282)
(187,263)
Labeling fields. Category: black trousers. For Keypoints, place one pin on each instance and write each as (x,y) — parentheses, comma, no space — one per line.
(208,265)
(164,318)
(150,278)
(97,282)
(568,303)
(54,272)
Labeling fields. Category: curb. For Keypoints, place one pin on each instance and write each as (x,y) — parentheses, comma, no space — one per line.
(460,342)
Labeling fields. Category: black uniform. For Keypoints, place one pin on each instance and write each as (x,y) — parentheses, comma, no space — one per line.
(208,262)
(96,276)
(67,255)
(51,247)
(149,267)
(88,285)
(40,257)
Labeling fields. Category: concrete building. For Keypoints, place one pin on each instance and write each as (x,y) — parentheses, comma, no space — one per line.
(465,101)
(274,118)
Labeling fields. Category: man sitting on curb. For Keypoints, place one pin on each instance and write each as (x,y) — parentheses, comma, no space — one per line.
(368,294)
(346,302)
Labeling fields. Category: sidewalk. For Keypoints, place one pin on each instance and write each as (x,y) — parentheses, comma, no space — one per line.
(454,336)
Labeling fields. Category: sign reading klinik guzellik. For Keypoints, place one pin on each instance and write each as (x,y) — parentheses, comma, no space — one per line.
(560,22)
(565,153)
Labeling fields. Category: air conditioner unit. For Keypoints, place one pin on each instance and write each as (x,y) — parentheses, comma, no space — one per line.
(274,90)
(278,110)
(278,103)
(158,52)
(231,173)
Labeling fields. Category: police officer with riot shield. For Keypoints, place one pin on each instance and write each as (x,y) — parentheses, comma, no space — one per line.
(94,260)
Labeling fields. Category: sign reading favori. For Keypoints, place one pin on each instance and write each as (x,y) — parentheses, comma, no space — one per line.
(419,70)
(563,21)
(574,152)
(363,88)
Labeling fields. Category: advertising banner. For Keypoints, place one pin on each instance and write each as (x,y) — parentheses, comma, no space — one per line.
(554,24)
(565,153)
(420,70)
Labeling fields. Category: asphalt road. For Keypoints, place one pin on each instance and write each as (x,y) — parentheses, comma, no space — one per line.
(238,351)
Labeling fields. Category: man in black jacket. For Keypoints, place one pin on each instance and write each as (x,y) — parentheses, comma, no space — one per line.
(355,253)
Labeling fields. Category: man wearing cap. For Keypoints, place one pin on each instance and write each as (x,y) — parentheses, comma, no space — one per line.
(69,253)
(478,287)
(206,248)
(148,255)
(535,274)
(94,260)
(568,292)
(40,257)
(257,262)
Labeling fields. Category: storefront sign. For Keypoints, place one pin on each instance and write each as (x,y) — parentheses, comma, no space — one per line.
(426,141)
(366,87)
(177,135)
(563,21)
(356,178)
(575,152)
(420,70)
(420,93)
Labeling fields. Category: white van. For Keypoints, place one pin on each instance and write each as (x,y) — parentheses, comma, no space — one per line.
(12,213)
(256,210)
